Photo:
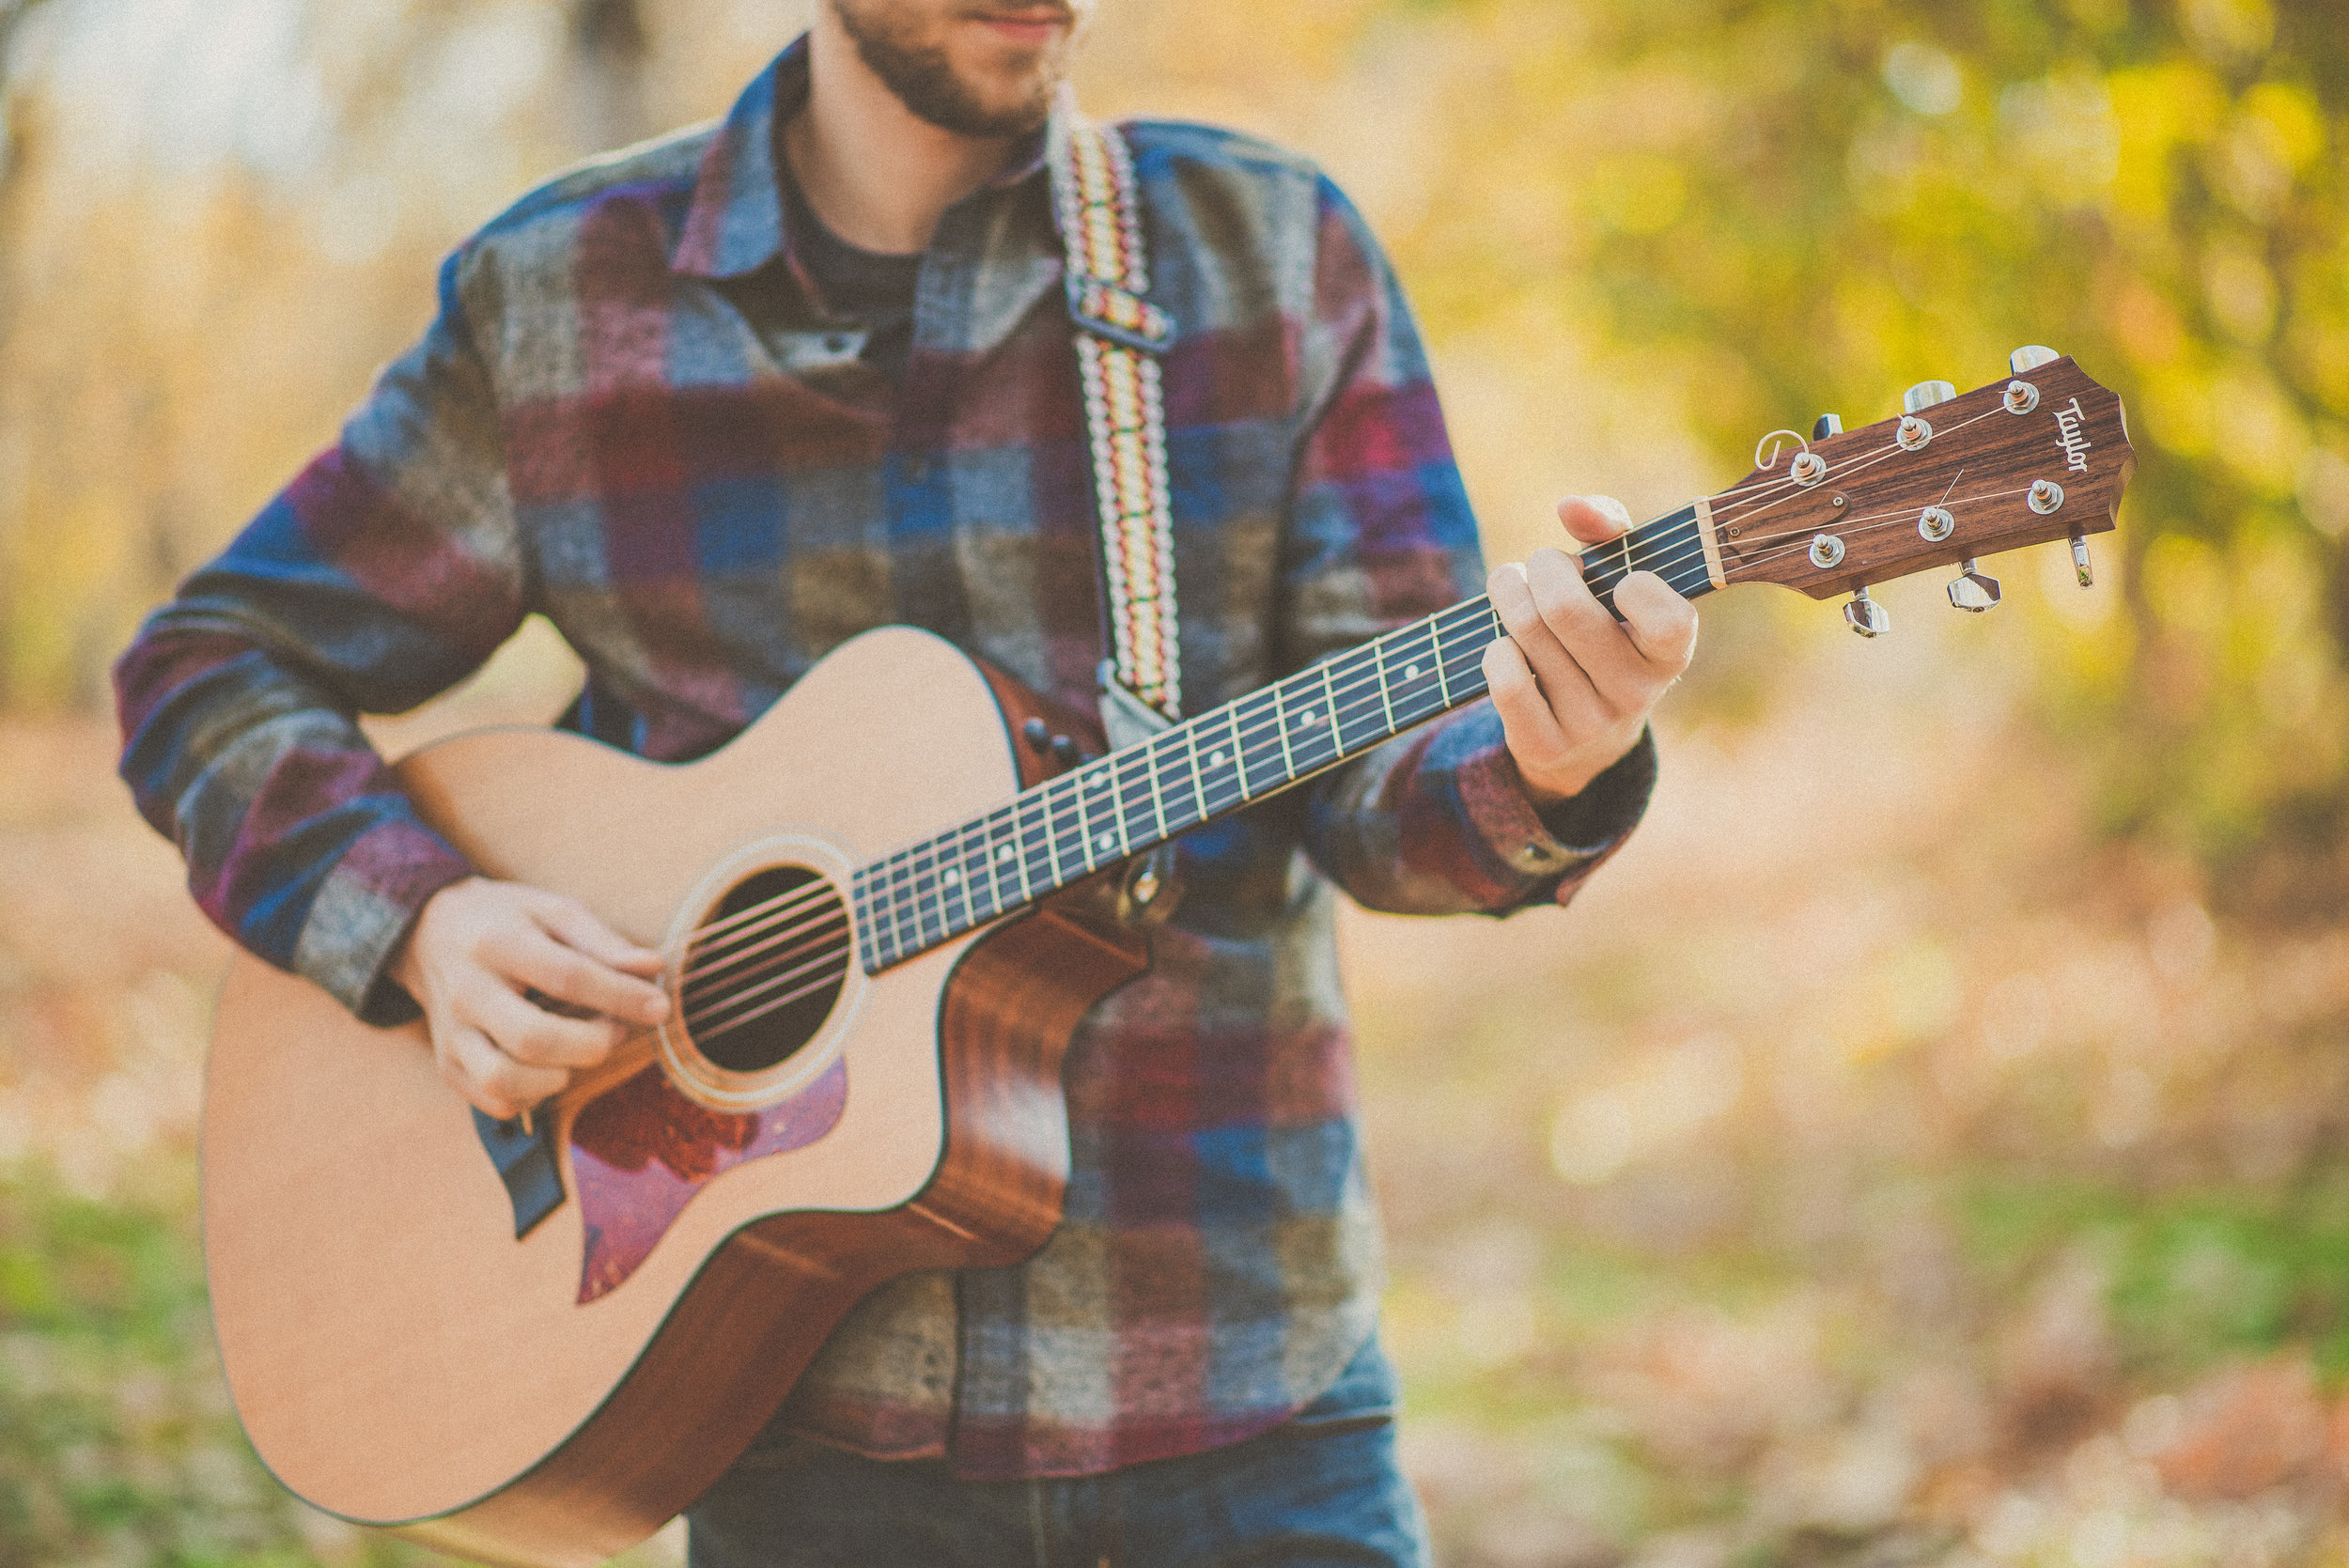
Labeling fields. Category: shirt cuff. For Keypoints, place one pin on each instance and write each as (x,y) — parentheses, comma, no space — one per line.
(1563,844)
(364,908)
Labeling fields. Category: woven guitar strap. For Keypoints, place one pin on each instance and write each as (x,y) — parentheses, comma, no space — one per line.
(1119,336)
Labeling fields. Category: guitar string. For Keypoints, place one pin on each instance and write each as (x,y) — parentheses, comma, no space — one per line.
(1630,548)
(1628,552)
(708,957)
(1252,721)
(704,974)
(719,1020)
(726,1013)
(811,988)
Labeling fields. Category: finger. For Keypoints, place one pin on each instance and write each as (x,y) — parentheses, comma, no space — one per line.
(537,1039)
(1660,623)
(1526,721)
(531,957)
(1588,636)
(1565,686)
(493,1082)
(571,922)
(1593,519)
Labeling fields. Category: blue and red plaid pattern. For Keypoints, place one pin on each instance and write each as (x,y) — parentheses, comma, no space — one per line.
(633,416)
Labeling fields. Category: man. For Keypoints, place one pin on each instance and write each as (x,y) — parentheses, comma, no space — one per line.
(720,403)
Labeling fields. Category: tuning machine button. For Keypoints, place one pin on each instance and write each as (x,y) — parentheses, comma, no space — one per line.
(2044,497)
(1935,523)
(1866,616)
(1038,735)
(1972,591)
(1826,424)
(2079,561)
(2029,357)
(1827,550)
(1918,398)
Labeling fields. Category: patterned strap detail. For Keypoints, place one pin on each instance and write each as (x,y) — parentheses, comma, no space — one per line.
(1119,334)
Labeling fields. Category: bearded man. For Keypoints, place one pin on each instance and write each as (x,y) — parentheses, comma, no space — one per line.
(715,405)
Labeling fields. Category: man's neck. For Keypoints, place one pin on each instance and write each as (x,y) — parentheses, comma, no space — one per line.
(877,174)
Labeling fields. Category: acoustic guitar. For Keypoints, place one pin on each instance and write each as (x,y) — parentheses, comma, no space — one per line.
(534,1343)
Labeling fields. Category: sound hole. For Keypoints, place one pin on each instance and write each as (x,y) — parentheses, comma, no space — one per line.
(765,967)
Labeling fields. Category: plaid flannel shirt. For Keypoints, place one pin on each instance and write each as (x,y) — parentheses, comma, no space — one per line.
(633,416)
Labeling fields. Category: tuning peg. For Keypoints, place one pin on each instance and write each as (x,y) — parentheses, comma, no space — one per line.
(1826,424)
(1866,616)
(2079,561)
(1971,590)
(2030,356)
(1918,398)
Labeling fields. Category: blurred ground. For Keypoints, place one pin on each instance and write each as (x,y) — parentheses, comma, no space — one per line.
(1863,1170)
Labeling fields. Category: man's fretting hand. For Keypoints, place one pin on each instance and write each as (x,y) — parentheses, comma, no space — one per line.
(479,946)
(1573,685)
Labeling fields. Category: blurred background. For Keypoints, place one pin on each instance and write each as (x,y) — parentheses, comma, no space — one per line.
(1925,1144)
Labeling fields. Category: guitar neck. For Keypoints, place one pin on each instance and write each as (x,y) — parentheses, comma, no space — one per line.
(1206,768)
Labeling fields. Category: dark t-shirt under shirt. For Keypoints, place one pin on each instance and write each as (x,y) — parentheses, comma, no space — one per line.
(872,290)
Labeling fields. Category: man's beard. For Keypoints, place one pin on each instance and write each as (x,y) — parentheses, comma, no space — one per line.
(925,82)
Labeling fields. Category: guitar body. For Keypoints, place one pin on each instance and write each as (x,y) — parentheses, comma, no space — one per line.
(401,1357)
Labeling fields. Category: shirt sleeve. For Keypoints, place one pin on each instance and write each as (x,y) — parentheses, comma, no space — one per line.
(1379,534)
(385,573)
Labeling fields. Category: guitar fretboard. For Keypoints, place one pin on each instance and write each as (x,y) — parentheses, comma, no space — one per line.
(1128,802)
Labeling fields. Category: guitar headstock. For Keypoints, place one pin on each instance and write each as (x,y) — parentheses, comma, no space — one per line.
(2040,454)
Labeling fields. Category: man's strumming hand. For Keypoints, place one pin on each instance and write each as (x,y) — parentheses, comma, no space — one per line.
(475,951)
(1573,685)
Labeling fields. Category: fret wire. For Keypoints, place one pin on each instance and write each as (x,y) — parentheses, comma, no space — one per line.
(1386,694)
(1131,796)
(1062,792)
(953,878)
(991,852)
(1360,668)
(1043,832)
(894,888)
(925,891)
(1366,687)
(1086,796)
(978,874)
(1329,702)
(1254,706)
(1198,775)
(1280,729)
(1108,778)
(1157,797)
(866,953)
(1020,852)
(1117,801)
(909,912)
(1239,753)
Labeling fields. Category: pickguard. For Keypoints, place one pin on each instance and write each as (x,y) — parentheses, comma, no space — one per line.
(641,1152)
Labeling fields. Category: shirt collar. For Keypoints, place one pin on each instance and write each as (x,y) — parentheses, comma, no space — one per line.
(736,223)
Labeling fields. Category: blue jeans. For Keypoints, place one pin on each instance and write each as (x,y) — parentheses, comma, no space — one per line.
(1322,1491)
